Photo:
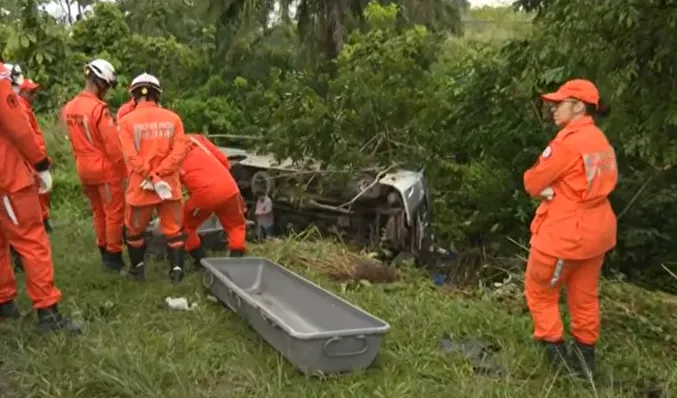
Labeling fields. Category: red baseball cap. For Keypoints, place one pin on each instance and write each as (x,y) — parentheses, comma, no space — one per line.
(28,85)
(580,89)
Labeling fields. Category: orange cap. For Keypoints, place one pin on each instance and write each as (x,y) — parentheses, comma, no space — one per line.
(28,85)
(580,89)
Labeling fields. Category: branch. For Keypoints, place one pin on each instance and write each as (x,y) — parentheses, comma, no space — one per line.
(236,137)
(517,244)
(378,178)
(635,196)
(672,274)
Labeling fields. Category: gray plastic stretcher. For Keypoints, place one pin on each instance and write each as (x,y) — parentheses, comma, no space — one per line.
(317,331)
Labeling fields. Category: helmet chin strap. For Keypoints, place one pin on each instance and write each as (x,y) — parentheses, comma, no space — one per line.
(101,87)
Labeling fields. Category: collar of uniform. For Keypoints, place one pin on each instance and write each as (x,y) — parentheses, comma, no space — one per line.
(86,93)
(146,104)
(574,126)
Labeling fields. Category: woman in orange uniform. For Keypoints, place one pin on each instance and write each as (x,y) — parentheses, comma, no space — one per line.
(98,156)
(574,225)
(205,173)
(154,145)
(20,218)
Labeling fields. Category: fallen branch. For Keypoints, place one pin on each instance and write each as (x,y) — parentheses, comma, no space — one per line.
(517,244)
(378,178)
(635,196)
(672,274)
(327,207)
(237,137)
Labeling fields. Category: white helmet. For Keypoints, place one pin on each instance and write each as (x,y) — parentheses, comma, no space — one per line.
(103,70)
(15,74)
(146,80)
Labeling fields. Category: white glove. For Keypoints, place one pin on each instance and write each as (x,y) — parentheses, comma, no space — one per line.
(163,190)
(147,185)
(547,193)
(45,180)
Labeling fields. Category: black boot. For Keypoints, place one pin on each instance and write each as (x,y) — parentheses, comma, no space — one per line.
(237,253)
(556,353)
(104,258)
(113,262)
(197,254)
(137,268)
(175,255)
(51,320)
(16,260)
(9,310)
(583,358)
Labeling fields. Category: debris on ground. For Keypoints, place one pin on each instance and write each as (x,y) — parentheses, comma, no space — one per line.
(344,265)
(373,271)
(179,303)
(439,279)
(479,354)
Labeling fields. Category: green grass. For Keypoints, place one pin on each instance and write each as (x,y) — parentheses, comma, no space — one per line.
(134,348)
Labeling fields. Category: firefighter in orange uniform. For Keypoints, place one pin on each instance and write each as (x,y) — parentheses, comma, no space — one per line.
(25,88)
(205,173)
(20,217)
(98,155)
(125,109)
(154,145)
(574,225)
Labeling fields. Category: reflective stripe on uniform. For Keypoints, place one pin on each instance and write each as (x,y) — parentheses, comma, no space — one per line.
(137,137)
(559,265)
(85,124)
(201,146)
(106,193)
(596,163)
(10,210)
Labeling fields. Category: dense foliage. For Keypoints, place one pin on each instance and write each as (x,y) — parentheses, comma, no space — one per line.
(422,84)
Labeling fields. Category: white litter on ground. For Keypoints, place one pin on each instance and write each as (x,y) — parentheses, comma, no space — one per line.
(180,303)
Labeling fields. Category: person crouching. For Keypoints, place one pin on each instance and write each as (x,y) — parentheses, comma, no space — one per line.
(205,173)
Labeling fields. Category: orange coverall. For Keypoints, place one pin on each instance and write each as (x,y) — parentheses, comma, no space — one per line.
(100,166)
(40,141)
(205,173)
(20,217)
(154,145)
(125,109)
(572,232)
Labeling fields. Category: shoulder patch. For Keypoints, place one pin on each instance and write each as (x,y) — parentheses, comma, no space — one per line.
(547,152)
(12,101)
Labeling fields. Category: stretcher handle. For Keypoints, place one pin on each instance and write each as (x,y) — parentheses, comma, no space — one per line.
(348,353)
(239,300)
(208,281)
